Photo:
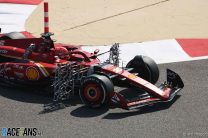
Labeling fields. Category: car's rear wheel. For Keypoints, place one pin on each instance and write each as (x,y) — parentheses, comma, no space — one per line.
(145,67)
(12,35)
(95,90)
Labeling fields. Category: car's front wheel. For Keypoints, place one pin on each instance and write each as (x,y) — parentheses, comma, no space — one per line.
(145,67)
(95,90)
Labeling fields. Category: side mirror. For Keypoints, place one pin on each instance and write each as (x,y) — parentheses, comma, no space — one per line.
(96,51)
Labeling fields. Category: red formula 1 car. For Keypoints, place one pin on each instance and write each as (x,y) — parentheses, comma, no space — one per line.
(40,63)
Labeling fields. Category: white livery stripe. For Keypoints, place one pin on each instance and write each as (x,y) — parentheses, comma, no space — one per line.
(42,69)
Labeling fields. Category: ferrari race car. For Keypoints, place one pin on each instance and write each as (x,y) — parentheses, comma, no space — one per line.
(41,63)
(67,70)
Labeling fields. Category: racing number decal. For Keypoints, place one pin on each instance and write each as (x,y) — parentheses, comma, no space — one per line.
(32,73)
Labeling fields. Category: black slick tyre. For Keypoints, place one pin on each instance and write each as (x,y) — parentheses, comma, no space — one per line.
(95,90)
(145,67)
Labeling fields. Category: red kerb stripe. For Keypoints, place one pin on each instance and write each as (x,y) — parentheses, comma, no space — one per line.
(32,2)
(194,47)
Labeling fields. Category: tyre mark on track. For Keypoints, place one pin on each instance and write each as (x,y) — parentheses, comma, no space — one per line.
(119,14)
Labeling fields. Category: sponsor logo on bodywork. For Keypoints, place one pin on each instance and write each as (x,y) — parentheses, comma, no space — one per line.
(3,51)
(32,73)
(2,42)
(132,76)
(19,67)
(4,68)
(19,74)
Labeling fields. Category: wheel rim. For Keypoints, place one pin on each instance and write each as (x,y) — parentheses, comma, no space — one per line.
(92,93)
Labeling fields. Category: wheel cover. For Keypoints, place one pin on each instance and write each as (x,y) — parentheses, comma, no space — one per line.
(92,93)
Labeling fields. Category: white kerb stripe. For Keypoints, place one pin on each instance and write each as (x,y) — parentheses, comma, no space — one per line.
(164,51)
(13,16)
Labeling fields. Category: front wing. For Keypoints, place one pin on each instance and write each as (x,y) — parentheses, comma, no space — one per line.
(143,97)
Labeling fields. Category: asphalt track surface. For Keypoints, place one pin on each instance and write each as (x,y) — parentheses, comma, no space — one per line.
(186,116)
